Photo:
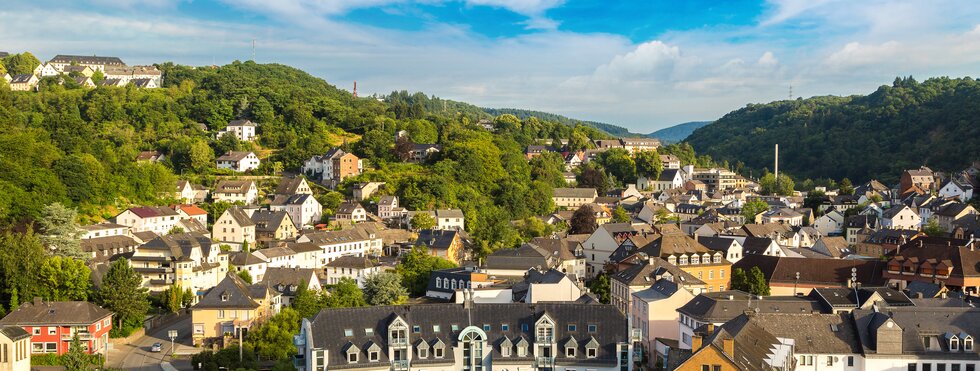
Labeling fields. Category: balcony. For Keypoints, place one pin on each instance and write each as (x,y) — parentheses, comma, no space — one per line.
(398,342)
(400,365)
(544,362)
(299,361)
(546,339)
(83,336)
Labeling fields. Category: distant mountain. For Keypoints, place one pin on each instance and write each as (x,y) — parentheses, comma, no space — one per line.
(900,126)
(613,130)
(677,133)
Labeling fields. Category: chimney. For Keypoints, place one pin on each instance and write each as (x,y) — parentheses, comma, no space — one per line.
(728,345)
(711,329)
(919,295)
(695,342)
(467,299)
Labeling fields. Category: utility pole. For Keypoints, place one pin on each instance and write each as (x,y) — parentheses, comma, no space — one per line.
(791,92)
(253,50)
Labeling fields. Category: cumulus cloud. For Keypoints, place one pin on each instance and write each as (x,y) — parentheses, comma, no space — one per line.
(855,54)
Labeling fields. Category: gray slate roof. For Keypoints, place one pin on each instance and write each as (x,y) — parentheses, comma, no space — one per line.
(38,312)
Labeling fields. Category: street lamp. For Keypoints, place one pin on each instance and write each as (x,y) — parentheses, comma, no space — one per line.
(173,336)
(796,283)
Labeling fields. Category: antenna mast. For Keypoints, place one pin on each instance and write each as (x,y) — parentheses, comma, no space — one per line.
(791,92)
(253,50)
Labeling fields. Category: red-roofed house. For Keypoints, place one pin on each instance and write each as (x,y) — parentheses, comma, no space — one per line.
(52,324)
(192,212)
(157,219)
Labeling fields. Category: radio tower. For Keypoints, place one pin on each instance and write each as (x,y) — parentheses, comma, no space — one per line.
(253,50)
(791,92)
(355,88)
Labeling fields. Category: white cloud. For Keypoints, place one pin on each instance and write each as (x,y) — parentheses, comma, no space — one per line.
(855,54)
(767,60)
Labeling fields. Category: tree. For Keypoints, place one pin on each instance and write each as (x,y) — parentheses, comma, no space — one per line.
(375,145)
(933,229)
(753,208)
(769,184)
(403,148)
(98,77)
(416,267)
(14,299)
(846,188)
(592,176)
(21,258)
(648,164)
(64,279)
(75,359)
(61,232)
(583,220)
(245,276)
(619,215)
(422,220)
(532,227)
(345,294)
(758,282)
(740,281)
(21,64)
(274,338)
(619,164)
(173,298)
(600,287)
(385,288)
(122,292)
(307,302)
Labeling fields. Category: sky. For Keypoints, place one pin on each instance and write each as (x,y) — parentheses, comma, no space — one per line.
(644,64)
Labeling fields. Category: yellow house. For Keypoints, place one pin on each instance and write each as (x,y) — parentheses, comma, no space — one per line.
(231,306)
(15,349)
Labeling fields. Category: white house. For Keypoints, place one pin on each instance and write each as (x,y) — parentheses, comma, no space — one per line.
(156,219)
(45,70)
(955,188)
(830,223)
(356,241)
(654,311)
(357,268)
(232,191)
(303,209)
(351,212)
(669,179)
(900,217)
(234,228)
(388,208)
(243,129)
(240,161)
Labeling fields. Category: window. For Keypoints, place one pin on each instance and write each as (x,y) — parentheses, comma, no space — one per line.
(438,283)
(348,332)
(940,367)
(416,329)
(968,344)
(524,327)
(486,327)
(570,352)
(221,313)
(435,328)
(711,275)
(454,328)
(591,352)
(424,352)
(971,367)
(504,327)
(37,331)
(830,360)
(352,357)
(571,327)
(954,367)
(53,347)
(593,328)
(850,361)
(927,367)
(954,344)
(912,367)
(439,352)
(522,351)
(715,367)
(705,368)
(373,356)
(369,332)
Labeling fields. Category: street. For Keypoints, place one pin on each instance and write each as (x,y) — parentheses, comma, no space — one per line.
(137,356)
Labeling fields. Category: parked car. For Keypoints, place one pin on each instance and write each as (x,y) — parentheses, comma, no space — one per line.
(156,347)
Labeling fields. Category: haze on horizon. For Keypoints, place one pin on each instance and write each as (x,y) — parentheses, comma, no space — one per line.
(643,65)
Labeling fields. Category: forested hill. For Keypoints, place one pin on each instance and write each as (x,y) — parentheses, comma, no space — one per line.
(677,132)
(613,130)
(905,125)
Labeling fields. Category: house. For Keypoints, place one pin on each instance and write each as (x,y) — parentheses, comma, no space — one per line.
(443,243)
(921,178)
(230,307)
(467,336)
(363,191)
(233,191)
(15,349)
(782,216)
(918,338)
(950,213)
(157,219)
(357,268)
(191,212)
(388,208)
(140,76)
(670,162)
(781,272)
(239,161)
(834,247)
(119,83)
(885,241)
(546,285)
(191,193)
(600,245)
(423,152)
(445,283)
(244,130)
(144,83)
(293,186)
(646,272)
(533,151)
(569,252)
(686,253)
(272,226)
(715,179)
(351,212)
(950,261)
(335,165)
(669,179)
(234,228)
(150,156)
(288,281)
(450,219)
(96,63)
(730,247)
(654,312)
(190,260)
(84,71)
(106,247)
(857,225)
(52,325)
(900,217)
(830,223)
(83,81)
(955,188)
(303,208)
(23,82)
(334,244)
(634,145)
(45,70)
(573,198)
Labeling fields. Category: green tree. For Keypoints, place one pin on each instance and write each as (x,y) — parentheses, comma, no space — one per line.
(416,267)
(846,188)
(619,215)
(385,288)
(273,339)
(20,64)
(593,176)
(532,227)
(619,164)
(61,232)
(422,220)
(758,282)
(98,77)
(75,359)
(14,299)
(65,279)
(752,208)
(648,164)
(933,229)
(21,259)
(583,220)
(245,276)
(122,292)
(375,145)
(307,302)
(599,286)
(769,185)
(173,298)
(345,294)
(740,281)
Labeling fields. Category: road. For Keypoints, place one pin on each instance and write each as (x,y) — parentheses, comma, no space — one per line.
(137,355)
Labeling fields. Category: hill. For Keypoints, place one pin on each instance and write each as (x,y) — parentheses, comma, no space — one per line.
(617,131)
(902,126)
(678,132)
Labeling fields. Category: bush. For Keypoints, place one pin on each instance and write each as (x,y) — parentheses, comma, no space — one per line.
(128,327)
(225,359)
(58,360)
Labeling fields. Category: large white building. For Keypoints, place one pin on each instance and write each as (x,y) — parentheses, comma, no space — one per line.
(244,130)
(356,241)
(238,161)
(156,219)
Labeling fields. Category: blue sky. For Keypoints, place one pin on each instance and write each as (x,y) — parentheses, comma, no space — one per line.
(640,64)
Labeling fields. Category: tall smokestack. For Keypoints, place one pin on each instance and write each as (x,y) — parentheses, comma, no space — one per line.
(776,172)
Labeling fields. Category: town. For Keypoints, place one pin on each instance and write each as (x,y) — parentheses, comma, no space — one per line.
(636,255)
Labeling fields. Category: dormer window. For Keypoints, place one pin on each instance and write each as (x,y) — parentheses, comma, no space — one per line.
(592,348)
(438,283)
(954,344)
(570,352)
(423,350)
(968,344)
(694,260)
(225,297)
(683,260)
(672,260)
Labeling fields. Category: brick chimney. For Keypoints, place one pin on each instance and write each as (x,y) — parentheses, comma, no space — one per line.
(695,342)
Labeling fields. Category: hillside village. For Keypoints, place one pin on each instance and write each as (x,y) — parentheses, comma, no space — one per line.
(688,267)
